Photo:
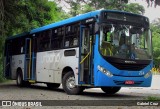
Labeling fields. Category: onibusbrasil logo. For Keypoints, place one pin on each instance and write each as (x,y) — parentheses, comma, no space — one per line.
(21,103)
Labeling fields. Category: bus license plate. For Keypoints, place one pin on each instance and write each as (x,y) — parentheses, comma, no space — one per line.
(129,82)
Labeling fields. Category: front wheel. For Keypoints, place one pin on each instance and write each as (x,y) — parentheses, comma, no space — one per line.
(68,83)
(110,90)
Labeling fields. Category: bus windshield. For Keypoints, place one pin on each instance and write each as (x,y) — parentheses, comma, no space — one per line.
(125,41)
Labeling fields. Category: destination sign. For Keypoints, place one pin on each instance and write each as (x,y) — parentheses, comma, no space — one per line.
(124,17)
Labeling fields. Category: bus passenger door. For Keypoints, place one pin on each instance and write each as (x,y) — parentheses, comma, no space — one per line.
(85,54)
(28,59)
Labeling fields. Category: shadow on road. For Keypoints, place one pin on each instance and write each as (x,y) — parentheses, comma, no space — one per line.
(103,95)
(86,93)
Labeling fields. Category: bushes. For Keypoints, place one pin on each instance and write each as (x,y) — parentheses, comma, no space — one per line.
(155,70)
(2,79)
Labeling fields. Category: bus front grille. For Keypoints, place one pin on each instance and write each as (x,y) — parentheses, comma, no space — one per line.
(127,64)
(131,67)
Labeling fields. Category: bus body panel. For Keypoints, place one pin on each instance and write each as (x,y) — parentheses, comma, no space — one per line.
(17,62)
(50,65)
(118,81)
(102,79)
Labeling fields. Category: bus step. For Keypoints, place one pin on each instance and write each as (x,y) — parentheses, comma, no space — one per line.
(27,78)
(32,81)
(87,85)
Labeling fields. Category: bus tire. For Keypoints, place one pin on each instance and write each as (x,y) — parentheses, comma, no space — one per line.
(110,90)
(53,85)
(68,83)
(19,79)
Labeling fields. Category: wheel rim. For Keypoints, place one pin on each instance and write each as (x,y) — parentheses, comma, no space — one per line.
(70,83)
(19,79)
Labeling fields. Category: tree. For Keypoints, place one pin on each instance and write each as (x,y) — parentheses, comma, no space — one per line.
(150,2)
(134,8)
(1,17)
(17,16)
(23,15)
(83,6)
(155,38)
(33,14)
(76,5)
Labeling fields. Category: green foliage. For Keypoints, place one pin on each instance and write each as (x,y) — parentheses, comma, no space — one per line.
(1,76)
(20,16)
(82,6)
(1,58)
(156,44)
(24,15)
(152,98)
(134,8)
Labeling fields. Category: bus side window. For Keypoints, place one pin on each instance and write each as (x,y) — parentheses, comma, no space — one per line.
(75,42)
(16,46)
(48,35)
(40,43)
(57,38)
(67,43)
(43,40)
(71,35)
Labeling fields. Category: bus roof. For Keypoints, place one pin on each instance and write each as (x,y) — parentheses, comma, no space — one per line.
(67,21)
(18,35)
(74,19)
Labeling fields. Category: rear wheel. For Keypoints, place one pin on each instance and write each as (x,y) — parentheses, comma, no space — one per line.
(69,86)
(53,85)
(110,90)
(20,81)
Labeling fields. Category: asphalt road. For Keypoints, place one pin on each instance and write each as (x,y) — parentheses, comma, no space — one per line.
(9,91)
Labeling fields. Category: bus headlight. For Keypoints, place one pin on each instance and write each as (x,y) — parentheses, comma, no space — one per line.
(147,74)
(103,70)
